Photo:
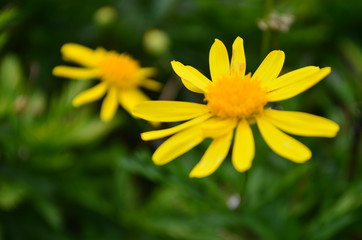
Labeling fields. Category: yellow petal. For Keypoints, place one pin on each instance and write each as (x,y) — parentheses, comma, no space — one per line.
(90,95)
(218,60)
(295,88)
(302,124)
(196,81)
(191,87)
(151,84)
(74,72)
(129,98)
(213,157)
(109,105)
(270,68)
(238,63)
(81,54)
(281,143)
(152,135)
(291,77)
(244,147)
(147,72)
(169,111)
(216,127)
(177,145)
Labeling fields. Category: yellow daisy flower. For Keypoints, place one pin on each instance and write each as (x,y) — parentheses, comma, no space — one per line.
(120,78)
(234,101)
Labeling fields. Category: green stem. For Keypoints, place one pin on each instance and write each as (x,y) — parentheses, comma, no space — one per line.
(242,191)
(269,6)
(355,149)
(267,34)
(265,44)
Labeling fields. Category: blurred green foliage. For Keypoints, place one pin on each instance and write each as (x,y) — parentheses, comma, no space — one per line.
(65,175)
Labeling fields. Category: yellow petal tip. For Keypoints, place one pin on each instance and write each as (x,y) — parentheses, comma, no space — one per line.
(55,71)
(59,71)
(176,65)
(281,52)
(66,46)
(105,119)
(239,40)
(176,62)
(157,161)
(196,174)
(243,169)
(192,176)
(328,70)
(303,159)
(145,136)
(218,42)
(334,131)
(75,103)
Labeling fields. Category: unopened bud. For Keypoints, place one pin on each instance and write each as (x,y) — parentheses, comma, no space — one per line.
(277,22)
(20,104)
(156,41)
(105,15)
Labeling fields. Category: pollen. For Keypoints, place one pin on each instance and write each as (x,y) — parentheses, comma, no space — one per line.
(234,96)
(120,70)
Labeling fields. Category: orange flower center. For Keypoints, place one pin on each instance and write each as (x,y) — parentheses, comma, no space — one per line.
(120,70)
(234,96)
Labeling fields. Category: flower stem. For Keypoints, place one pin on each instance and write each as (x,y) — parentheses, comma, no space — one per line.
(355,149)
(267,34)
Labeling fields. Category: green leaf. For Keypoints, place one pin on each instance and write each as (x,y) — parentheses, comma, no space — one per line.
(50,211)
(6,16)
(337,216)
(11,194)
(11,75)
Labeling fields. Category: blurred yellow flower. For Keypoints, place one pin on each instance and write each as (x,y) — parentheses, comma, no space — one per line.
(234,101)
(120,78)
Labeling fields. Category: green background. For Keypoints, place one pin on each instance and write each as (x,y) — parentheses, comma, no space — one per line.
(66,175)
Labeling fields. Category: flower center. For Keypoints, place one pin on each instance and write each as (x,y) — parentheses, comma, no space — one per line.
(120,70)
(238,97)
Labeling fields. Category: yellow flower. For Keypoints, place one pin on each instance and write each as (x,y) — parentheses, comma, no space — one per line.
(234,101)
(120,78)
